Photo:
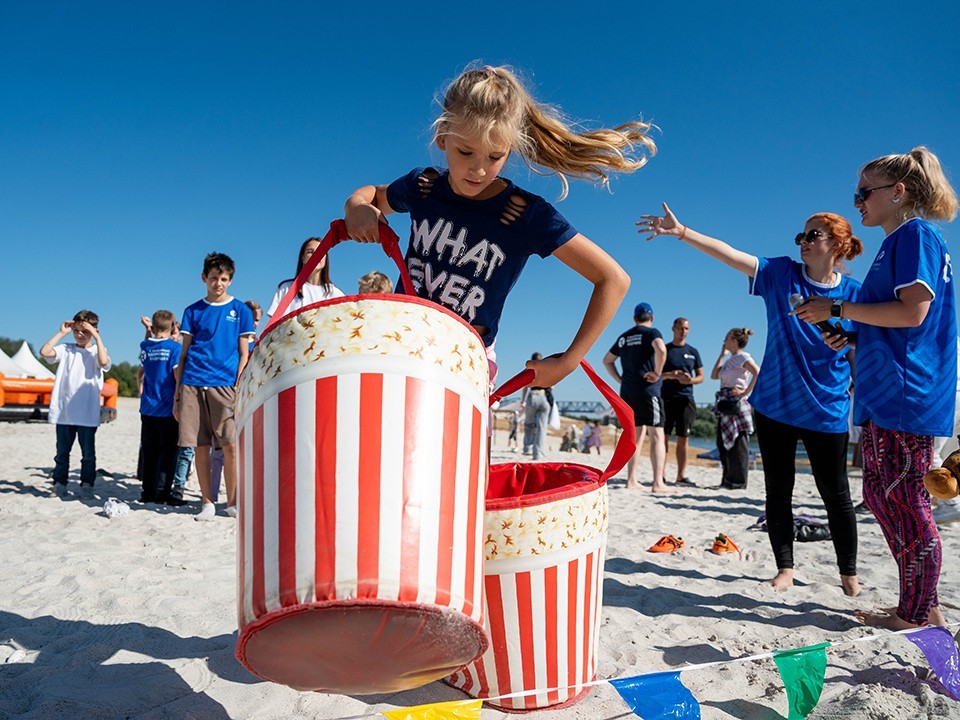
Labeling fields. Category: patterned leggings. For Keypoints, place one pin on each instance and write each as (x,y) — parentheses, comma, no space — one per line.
(894,463)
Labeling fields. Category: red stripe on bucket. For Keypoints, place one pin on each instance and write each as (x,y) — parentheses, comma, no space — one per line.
(369,469)
(476,488)
(588,620)
(525,626)
(241,540)
(448,495)
(326,488)
(410,522)
(551,627)
(258,590)
(573,608)
(287,495)
(498,634)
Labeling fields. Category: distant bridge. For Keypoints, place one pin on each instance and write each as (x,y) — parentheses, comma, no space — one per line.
(576,408)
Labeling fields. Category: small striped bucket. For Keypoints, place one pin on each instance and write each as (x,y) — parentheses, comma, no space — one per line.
(545,530)
(362,459)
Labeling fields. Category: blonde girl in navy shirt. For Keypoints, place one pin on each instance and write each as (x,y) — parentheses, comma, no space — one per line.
(473,230)
(906,367)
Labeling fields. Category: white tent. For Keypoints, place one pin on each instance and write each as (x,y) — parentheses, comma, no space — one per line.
(25,359)
(9,368)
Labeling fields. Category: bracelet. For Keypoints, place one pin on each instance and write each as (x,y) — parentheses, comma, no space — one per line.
(683,234)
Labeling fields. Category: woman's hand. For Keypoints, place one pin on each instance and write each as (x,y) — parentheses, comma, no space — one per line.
(735,392)
(815,309)
(665,225)
(835,341)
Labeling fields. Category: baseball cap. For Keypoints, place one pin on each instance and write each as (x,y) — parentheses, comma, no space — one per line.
(642,309)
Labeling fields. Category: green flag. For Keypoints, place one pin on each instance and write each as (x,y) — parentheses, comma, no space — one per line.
(802,671)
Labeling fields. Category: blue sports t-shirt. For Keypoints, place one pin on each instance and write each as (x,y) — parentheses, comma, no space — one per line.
(214,330)
(158,358)
(802,382)
(907,377)
(467,254)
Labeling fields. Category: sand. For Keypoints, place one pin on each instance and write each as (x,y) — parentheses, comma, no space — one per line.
(135,617)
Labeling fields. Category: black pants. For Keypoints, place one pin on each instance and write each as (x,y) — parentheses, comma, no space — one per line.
(158,442)
(828,461)
(735,461)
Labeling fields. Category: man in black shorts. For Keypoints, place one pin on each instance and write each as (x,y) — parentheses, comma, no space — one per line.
(681,372)
(642,354)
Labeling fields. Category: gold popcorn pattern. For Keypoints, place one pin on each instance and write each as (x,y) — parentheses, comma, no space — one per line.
(540,529)
(367,327)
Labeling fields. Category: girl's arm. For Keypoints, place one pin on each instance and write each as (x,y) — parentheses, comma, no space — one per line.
(610,284)
(754,371)
(908,310)
(364,210)
(715,373)
(717,249)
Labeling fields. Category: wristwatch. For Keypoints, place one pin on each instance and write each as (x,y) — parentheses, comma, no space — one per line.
(836,310)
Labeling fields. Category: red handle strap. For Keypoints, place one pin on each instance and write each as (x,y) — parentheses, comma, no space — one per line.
(627,443)
(336,235)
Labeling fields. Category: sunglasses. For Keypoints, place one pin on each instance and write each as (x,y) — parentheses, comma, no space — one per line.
(810,237)
(862,194)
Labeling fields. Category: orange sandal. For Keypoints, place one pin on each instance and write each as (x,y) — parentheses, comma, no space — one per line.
(722,544)
(668,544)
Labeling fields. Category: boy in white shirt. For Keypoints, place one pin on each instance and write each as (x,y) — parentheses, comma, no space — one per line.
(75,401)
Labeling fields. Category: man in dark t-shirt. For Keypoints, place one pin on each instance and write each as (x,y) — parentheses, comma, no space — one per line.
(642,354)
(682,370)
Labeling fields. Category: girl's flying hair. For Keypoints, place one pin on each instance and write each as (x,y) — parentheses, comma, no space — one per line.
(492,101)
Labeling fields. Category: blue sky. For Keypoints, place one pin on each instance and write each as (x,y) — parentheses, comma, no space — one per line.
(135,138)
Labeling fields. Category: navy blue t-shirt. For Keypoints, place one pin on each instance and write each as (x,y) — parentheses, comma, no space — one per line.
(680,357)
(465,254)
(637,357)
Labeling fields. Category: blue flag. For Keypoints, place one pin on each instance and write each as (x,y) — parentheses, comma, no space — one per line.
(658,695)
(941,650)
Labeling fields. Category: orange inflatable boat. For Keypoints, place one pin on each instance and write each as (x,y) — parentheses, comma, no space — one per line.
(29,399)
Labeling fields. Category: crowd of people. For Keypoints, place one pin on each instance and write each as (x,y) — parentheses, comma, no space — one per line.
(472,231)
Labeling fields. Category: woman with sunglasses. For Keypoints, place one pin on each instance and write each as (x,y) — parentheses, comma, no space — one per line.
(906,366)
(802,389)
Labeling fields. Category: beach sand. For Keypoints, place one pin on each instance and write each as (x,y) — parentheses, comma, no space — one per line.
(135,617)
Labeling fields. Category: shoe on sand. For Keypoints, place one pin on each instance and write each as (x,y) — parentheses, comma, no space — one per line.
(86,492)
(948,511)
(722,544)
(60,490)
(231,511)
(207,512)
(667,544)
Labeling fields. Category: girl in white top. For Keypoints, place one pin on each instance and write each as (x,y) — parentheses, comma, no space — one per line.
(318,286)
(737,373)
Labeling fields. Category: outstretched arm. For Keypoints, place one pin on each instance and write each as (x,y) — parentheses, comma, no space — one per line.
(364,210)
(717,249)
(610,284)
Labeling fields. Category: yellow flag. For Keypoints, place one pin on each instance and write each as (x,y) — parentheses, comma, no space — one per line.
(456,710)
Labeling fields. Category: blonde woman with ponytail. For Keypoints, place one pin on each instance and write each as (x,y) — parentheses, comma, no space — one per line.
(906,367)
(802,393)
(473,230)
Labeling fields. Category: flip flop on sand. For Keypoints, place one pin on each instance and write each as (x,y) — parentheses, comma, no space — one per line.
(722,545)
(668,544)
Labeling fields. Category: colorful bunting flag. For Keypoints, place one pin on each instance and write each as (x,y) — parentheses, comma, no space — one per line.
(456,710)
(802,671)
(940,649)
(658,695)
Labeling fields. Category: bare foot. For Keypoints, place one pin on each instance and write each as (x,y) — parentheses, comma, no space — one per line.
(883,620)
(851,586)
(936,616)
(783,580)
(632,484)
(661,489)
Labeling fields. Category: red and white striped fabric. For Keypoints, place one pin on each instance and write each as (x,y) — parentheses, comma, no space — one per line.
(542,610)
(360,497)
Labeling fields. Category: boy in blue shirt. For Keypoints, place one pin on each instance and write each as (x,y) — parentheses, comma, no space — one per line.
(159,431)
(216,333)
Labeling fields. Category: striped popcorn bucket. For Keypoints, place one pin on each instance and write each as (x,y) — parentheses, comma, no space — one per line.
(545,530)
(362,462)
